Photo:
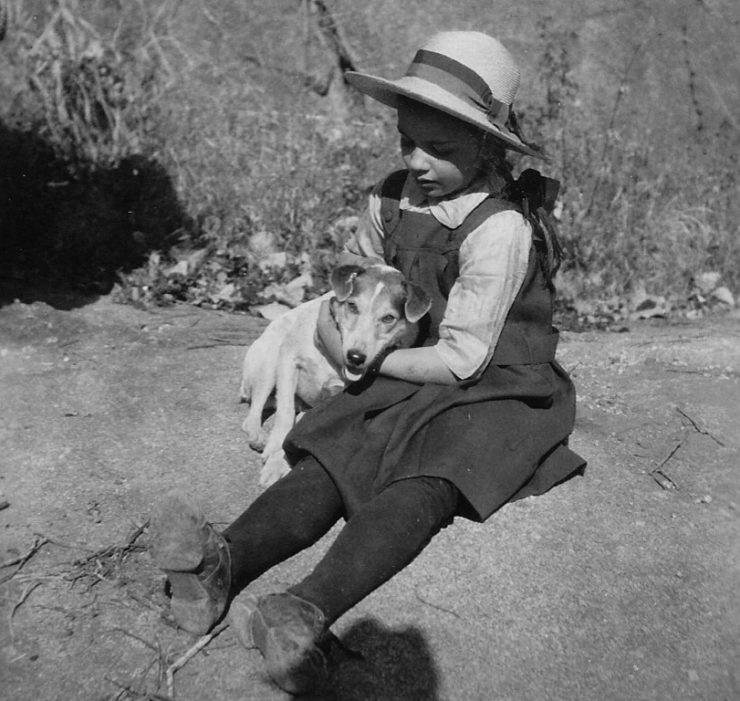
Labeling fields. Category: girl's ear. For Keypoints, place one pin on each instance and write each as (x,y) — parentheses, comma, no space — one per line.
(342,280)
(417,304)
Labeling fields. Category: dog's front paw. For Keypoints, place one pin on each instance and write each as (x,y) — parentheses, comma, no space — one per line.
(275,467)
(258,442)
(256,436)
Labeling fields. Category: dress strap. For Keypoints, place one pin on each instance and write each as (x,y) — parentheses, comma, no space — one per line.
(390,194)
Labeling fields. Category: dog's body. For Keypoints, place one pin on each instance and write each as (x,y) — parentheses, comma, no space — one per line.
(284,370)
(374,308)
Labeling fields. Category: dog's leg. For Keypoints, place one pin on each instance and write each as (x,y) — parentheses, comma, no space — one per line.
(258,381)
(275,467)
(286,383)
(285,387)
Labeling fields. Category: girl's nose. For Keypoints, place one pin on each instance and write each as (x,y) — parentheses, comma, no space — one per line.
(416,160)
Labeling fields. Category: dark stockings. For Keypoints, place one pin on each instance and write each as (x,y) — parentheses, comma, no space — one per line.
(286,518)
(378,541)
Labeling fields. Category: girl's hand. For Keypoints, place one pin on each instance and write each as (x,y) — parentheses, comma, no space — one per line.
(327,335)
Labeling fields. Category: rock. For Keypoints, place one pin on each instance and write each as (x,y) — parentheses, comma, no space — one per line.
(706,282)
(226,293)
(724,296)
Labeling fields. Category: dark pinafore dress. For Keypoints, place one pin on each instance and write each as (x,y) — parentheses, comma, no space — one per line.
(500,437)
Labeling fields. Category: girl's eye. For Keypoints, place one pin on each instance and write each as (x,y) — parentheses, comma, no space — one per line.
(441,151)
(352,308)
(388,319)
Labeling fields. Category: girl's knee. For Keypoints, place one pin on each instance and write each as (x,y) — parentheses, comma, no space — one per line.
(434,497)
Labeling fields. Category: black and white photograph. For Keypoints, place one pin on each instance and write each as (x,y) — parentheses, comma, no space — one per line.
(369,351)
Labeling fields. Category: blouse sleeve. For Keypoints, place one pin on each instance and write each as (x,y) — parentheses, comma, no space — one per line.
(367,240)
(493,264)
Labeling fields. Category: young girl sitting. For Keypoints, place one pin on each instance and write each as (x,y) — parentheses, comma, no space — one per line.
(477,416)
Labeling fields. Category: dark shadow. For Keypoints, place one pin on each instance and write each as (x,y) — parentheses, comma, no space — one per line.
(65,233)
(373,663)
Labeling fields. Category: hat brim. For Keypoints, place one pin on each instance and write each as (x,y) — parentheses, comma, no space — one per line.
(414,88)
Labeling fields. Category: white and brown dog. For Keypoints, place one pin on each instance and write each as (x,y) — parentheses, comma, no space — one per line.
(285,369)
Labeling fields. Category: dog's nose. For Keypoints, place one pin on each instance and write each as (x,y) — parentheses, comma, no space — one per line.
(356,358)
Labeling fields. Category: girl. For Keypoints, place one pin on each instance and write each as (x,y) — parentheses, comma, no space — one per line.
(475,417)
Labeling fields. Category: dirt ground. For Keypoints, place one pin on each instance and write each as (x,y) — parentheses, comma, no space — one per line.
(620,585)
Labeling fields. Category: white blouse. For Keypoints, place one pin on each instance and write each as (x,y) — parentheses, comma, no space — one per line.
(493,263)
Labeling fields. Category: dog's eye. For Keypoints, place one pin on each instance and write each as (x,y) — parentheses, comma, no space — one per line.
(352,308)
(388,319)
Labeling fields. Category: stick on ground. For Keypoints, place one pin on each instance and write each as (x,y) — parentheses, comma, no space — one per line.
(181,661)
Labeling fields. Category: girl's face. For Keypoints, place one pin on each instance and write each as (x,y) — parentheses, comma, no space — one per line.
(442,153)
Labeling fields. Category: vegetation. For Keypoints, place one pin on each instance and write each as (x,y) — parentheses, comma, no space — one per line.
(157,146)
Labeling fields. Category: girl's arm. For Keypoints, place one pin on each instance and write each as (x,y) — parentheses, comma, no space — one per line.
(493,264)
(494,259)
(420,365)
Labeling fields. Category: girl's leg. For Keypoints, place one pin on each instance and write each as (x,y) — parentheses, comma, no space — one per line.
(206,568)
(288,517)
(378,541)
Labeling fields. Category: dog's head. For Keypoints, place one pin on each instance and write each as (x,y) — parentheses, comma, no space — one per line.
(375,309)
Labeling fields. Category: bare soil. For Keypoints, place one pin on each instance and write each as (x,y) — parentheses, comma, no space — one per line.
(620,585)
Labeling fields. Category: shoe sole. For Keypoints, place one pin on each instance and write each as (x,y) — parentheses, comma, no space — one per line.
(178,535)
(178,548)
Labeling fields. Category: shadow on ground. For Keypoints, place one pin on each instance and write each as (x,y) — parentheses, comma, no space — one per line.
(382,663)
(67,229)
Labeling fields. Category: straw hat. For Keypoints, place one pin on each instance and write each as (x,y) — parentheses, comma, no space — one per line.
(466,74)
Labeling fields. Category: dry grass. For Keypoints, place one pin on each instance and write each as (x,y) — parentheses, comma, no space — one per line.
(258,166)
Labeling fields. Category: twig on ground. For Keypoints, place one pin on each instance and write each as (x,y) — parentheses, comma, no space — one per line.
(105,559)
(147,695)
(698,428)
(673,451)
(217,342)
(26,593)
(120,551)
(435,606)
(143,641)
(191,652)
(661,477)
(38,543)
(663,480)
(59,544)
(159,659)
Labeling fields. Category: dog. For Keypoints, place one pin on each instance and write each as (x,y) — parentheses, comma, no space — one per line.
(286,368)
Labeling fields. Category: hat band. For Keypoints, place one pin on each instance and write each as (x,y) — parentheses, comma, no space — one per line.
(461,81)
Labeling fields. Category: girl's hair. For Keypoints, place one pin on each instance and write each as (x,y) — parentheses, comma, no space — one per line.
(512,124)
(493,158)
(494,152)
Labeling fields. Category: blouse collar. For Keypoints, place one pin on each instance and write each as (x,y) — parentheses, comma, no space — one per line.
(451,212)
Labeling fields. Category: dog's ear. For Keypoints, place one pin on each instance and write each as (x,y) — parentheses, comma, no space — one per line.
(418,302)
(342,280)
